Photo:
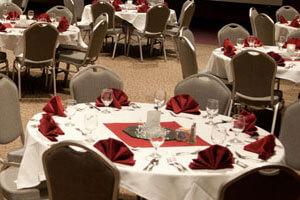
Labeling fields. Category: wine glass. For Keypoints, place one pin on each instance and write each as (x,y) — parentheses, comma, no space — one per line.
(156,135)
(160,98)
(251,41)
(70,110)
(240,43)
(292,53)
(90,124)
(106,98)
(281,42)
(5,14)
(212,109)
(13,22)
(238,125)
(218,134)
(52,17)
(30,14)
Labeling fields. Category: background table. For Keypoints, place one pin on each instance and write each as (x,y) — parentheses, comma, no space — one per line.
(283,30)
(164,182)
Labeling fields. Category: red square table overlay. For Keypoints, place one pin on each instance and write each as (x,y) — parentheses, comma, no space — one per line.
(117,129)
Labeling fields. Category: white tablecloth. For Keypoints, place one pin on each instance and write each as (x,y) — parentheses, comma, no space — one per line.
(283,30)
(219,65)
(13,39)
(164,182)
(138,20)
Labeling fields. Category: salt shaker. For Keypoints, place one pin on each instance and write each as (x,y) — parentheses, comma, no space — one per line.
(192,137)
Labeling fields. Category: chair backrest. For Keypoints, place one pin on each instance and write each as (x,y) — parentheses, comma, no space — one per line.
(40,42)
(79,7)
(21,3)
(253,77)
(10,7)
(186,32)
(232,31)
(154,2)
(294,34)
(187,13)
(96,40)
(187,56)
(75,172)
(252,14)
(289,134)
(10,118)
(265,29)
(71,6)
(268,182)
(104,7)
(61,11)
(156,19)
(286,11)
(203,87)
(88,84)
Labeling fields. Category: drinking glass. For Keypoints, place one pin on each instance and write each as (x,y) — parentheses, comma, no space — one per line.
(212,109)
(70,110)
(251,41)
(218,134)
(240,43)
(90,124)
(30,14)
(5,14)
(52,17)
(13,22)
(160,98)
(292,53)
(238,125)
(156,135)
(106,98)
(281,42)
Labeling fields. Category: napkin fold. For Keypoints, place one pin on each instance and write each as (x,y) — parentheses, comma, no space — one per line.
(214,157)
(250,120)
(256,43)
(279,60)
(49,128)
(55,107)
(228,48)
(13,14)
(2,28)
(116,151)
(118,1)
(183,103)
(295,23)
(263,147)
(119,99)
(116,5)
(295,41)
(144,8)
(282,20)
(63,24)
(140,2)
(94,1)
(44,17)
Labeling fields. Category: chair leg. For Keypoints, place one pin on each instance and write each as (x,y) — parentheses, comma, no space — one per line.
(46,81)
(141,50)
(66,74)
(151,47)
(163,44)
(6,64)
(128,45)
(175,46)
(19,81)
(13,72)
(276,107)
(115,46)
(230,107)
(54,80)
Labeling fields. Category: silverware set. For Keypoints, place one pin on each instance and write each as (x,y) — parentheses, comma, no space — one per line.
(174,115)
(152,163)
(173,162)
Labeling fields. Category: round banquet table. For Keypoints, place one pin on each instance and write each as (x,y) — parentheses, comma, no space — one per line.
(219,65)
(13,40)
(135,18)
(164,181)
(283,30)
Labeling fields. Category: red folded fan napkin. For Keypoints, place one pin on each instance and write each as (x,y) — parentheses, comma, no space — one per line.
(63,24)
(140,2)
(144,8)
(279,60)
(95,1)
(183,103)
(283,20)
(49,128)
(13,14)
(118,1)
(116,5)
(263,147)
(2,28)
(257,42)
(250,120)
(295,41)
(295,23)
(119,99)
(228,48)
(55,107)
(116,151)
(44,17)
(214,157)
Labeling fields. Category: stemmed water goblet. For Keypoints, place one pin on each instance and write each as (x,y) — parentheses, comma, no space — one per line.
(5,14)
(281,42)
(292,53)
(30,14)
(106,98)
(90,123)
(218,134)
(13,22)
(212,109)
(160,98)
(251,41)
(156,135)
(240,43)
(52,17)
(70,109)
(238,125)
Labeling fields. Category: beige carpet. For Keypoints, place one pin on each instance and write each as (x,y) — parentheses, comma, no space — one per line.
(141,79)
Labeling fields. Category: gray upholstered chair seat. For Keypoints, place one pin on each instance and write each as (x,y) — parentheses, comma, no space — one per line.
(15,155)
(173,31)
(142,34)
(71,56)
(27,63)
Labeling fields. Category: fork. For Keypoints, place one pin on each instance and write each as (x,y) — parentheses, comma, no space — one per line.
(172,163)
(174,115)
(82,133)
(247,157)
(174,160)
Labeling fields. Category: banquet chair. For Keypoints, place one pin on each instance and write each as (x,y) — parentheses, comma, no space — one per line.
(265,29)
(286,11)
(289,135)
(3,60)
(203,86)
(21,3)
(155,26)
(253,82)
(61,11)
(40,42)
(75,172)
(252,14)
(269,182)
(88,83)
(294,34)
(232,31)
(10,7)
(112,30)
(187,33)
(83,57)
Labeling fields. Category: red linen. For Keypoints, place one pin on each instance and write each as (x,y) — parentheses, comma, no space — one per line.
(183,103)
(116,5)
(55,107)
(283,20)
(257,43)
(279,60)
(250,120)
(144,8)
(119,99)
(63,24)
(263,147)
(2,28)
(295,23)
(44,17)
(228,48)
(295,41)
(140,2)
(49,128)
(13,14)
